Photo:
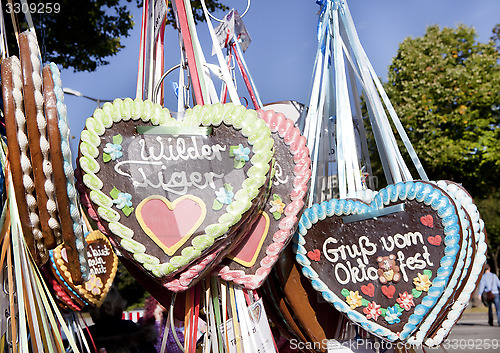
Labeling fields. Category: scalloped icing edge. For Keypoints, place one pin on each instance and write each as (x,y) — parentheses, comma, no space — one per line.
(292,138)
(68,171)
(62,295)
(149,112)
(407,190)
(458,275)
(477,268)
(55,258)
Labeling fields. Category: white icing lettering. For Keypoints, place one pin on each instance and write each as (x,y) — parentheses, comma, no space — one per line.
(341,266)
(154,153)
(346,272)
(401,241)
(177,151)
(350,262)
(364,249)
(412,263)
(97,270)
(278,175)
(426,256)
(175,182)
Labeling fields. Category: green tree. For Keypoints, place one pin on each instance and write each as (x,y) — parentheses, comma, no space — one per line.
(83,34)
(445,87)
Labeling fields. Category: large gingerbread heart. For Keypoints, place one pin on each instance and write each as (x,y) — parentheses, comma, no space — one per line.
(139,165)
(250,264)
(103,264)
(406,244)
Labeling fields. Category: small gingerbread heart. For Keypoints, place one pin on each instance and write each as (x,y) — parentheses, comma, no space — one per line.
(103,264)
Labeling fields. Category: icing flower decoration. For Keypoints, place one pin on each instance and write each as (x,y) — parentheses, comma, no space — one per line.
(372,311)
(225,195)
(277,207)
(113,150)
(241,153)
(392,315)
(354,299)
(422,282)
(405,301)
(94,285)
(123,199)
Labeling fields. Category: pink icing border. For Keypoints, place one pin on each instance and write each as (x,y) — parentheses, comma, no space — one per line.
(292,137)
(61,293)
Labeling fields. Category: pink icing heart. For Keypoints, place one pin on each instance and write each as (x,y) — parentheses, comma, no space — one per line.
(369,289)
(170,224)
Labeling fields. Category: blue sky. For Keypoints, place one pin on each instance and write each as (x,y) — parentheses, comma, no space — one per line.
(281,55)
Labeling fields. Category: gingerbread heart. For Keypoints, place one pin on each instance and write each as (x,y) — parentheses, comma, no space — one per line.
(289,186)
(134,155)
(103,264)
(385,244)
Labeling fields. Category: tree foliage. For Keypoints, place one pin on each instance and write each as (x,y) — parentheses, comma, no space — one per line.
(445,87)
(83,34)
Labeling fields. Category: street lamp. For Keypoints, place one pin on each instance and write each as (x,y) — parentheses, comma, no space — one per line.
(80,94)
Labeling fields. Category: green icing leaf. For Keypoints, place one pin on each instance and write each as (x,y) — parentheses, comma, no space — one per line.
(276,197)
(231,150)
(239,164)
(416,293)
(428,273)
(228,187)
(217,205)
(117,139)
(400,309)
(114,193)
(383,311)
(276,215)
(364,302)
(106,157)
(345,292)
(127,210)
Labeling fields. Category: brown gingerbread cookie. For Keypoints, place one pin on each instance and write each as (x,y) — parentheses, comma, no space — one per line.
(20,164)
(37,139)
(59,176)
